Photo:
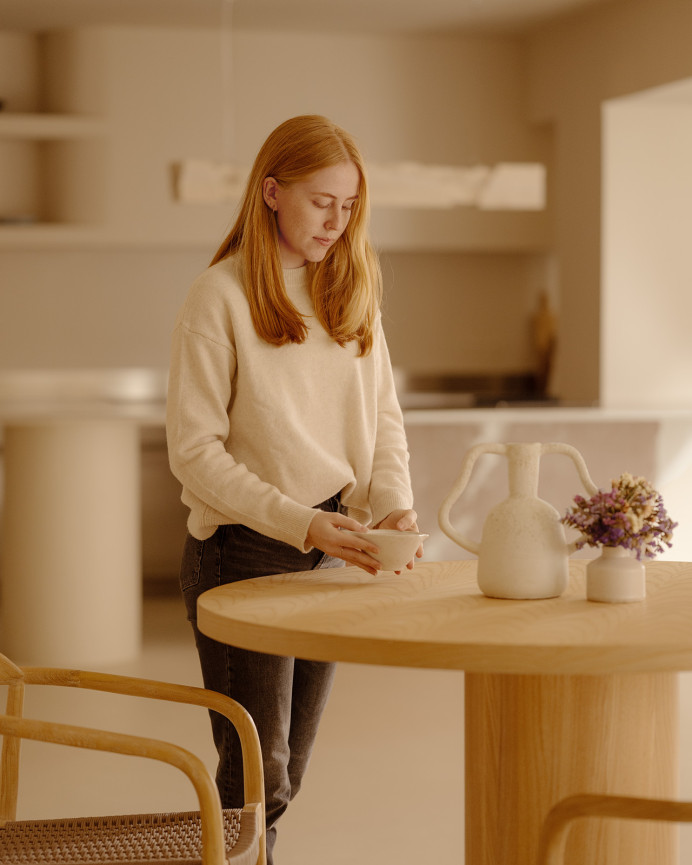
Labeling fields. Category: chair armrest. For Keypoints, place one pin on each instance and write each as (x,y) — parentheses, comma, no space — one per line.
(138,746)
(152,689)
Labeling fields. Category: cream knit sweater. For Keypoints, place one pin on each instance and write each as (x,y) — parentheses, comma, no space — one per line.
(259,434)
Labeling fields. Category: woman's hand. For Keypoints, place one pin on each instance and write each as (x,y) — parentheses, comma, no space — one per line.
(324,534)
(402,521)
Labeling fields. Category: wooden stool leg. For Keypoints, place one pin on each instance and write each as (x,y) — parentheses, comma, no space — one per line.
(532,740)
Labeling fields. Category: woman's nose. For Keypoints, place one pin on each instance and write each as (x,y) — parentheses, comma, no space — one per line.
(335,220)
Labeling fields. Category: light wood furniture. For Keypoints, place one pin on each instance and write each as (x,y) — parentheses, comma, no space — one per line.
(210,836)
(563,696)
(559,821)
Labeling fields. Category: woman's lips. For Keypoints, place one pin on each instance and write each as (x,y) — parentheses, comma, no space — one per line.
(324,241)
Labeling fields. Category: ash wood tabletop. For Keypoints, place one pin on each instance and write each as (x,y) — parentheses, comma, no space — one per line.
(435,616)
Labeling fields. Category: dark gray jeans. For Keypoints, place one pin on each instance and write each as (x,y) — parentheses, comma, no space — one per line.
(284,696)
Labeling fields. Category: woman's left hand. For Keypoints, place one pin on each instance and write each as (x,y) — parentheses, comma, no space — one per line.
(402,521)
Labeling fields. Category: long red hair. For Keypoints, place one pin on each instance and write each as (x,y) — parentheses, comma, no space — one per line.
(346,286)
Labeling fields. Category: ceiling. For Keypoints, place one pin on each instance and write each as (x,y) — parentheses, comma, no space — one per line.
(370,16)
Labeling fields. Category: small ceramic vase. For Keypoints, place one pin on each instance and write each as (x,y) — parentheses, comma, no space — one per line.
(615,577)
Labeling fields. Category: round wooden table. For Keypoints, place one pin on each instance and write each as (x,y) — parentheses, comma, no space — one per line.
(562,696)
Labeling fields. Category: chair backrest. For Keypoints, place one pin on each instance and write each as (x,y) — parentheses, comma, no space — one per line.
(12,676)
(559,820)
(9,672)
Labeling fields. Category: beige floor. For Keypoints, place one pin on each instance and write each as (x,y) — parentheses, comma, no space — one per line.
(384,785)
(384,782)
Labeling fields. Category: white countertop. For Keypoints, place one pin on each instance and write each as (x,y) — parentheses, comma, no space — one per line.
(543,414)
(52,396)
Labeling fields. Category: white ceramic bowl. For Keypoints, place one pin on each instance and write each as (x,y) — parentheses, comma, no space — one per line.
(396,548)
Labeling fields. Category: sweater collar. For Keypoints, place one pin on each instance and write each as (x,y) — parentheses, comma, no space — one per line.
(296,278)
(297,289)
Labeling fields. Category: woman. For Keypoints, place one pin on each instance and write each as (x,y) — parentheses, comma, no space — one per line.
(283,424)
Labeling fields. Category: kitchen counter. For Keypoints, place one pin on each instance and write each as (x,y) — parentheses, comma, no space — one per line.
(539,413)
(131,394)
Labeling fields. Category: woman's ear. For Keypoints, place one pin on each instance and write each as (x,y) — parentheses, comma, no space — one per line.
(269,187)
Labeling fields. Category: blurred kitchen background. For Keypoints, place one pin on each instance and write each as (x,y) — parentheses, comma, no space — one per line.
(103,102)
(505,321)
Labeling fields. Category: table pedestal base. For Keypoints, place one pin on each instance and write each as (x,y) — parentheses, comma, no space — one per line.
(71,571)
(532,740)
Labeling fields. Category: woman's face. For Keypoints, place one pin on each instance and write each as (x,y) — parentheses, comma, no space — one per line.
(313,213)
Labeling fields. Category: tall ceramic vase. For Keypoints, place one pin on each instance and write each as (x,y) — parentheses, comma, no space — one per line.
(522,553)
(615,577)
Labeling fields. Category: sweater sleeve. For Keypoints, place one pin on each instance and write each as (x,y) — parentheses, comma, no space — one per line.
(214,484)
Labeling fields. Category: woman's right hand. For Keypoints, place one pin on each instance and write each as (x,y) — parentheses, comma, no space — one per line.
(324,533)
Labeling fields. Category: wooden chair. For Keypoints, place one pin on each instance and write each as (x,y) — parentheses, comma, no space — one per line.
(560,818)
(210,836)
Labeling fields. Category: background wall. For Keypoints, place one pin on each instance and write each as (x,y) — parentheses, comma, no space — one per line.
(448,99)
(607,51)
(646,354)
(162,98)
(451,312)
(116,307)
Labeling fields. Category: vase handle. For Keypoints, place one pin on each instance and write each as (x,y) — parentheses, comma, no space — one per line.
(458,488)
(578,460)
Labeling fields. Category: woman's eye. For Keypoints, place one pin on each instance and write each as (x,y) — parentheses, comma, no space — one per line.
(347,207)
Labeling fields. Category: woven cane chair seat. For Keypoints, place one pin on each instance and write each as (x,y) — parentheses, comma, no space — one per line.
(135,839)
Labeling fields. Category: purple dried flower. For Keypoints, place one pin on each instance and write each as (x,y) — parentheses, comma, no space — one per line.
(631,515)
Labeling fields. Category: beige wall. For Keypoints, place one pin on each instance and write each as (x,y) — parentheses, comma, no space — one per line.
(91,307)
(450,312)
(447,99)
(610,50)
(160,92)
(646,356)
(445,313)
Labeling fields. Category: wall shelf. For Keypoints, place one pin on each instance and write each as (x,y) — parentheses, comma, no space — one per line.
(83,235)
(45,235)
(49,127)
(52,137)
(86,151)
